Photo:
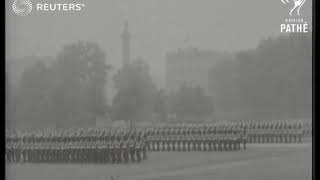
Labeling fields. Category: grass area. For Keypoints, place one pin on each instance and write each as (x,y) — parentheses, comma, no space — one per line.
(263,162)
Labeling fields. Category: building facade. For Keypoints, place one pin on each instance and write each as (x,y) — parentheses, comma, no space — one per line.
(190,65)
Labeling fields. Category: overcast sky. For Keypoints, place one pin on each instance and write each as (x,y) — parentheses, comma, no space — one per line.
(157,26)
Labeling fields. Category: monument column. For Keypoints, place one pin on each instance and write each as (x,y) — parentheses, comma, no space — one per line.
(125,36)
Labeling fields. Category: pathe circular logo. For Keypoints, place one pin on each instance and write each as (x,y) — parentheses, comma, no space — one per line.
(22,7)
(297,5)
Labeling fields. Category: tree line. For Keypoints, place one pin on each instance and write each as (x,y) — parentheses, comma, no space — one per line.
(66,93)
(72,92)
(272,81)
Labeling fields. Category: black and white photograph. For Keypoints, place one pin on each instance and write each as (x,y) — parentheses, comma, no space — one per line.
(159,90)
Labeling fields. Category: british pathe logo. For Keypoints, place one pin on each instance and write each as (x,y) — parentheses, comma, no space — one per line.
(294,24)
(22,7)
(297,4)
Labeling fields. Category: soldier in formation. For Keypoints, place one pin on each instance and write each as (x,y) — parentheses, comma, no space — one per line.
(307,128)
(196,137)
(77,146)
(275,131)
(122,145)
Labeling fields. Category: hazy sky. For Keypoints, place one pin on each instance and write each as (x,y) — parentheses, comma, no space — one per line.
(157,26)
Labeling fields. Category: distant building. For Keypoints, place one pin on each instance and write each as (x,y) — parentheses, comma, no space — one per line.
(190,65)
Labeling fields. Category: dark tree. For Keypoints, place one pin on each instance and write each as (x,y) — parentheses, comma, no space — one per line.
(135,89)
(79,84)
(32,97)
(161,105)
(191,102)
(273,81)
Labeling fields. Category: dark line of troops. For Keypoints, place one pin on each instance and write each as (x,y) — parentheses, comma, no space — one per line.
(278,131)
(94,146)
(197,137)
(226,135)
(116,145)
(307,128)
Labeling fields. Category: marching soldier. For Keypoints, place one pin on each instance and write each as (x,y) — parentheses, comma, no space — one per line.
(214,141)
(10,151)
(300,134)
(243,138)
(254,132)
(230,141)
(285,132)
(281,132)
(290,133)
(18,152)
(138,150)
(144,147)
(132,151)
(220,142)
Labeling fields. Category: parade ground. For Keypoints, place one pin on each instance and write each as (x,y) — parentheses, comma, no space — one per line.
(257,162)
